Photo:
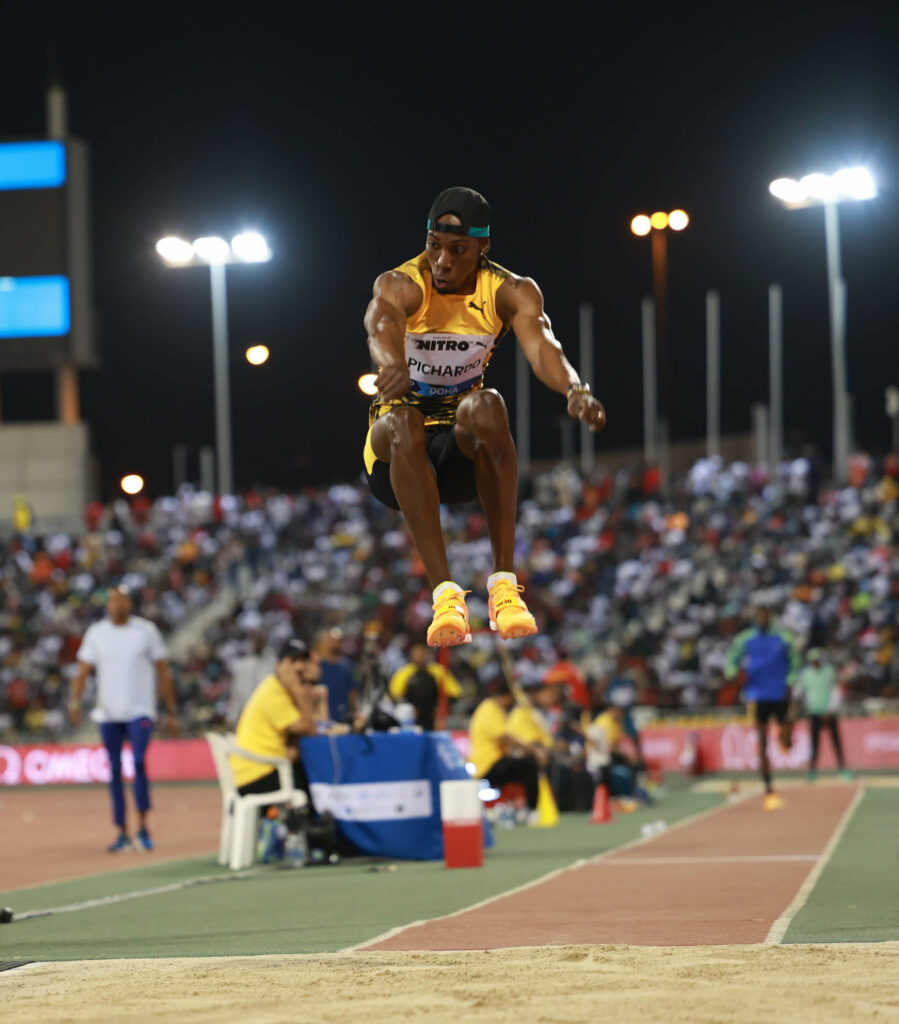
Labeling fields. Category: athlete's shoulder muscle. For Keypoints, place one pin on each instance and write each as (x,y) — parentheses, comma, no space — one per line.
(399,290)
(518,295)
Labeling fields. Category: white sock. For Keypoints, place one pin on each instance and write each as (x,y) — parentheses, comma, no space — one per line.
(495,577)
(446,585)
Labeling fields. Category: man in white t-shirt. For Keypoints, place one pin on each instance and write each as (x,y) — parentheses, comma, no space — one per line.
(128,655)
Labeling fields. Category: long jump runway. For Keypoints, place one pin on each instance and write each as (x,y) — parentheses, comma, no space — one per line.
(736,874)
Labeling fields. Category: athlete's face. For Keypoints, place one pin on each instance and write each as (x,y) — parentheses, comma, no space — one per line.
(454,258)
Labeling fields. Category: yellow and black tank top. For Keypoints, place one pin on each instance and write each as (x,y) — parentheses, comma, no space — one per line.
(450,339)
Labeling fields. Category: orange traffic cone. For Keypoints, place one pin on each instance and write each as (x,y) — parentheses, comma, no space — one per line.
(602,812)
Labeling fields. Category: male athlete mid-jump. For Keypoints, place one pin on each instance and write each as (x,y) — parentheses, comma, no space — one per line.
(435,433)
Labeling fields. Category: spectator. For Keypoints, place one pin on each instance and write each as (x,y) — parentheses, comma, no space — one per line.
(247,671)
(128,655)
(607,762)
(337,675)
(423,683)
(621,692)
(816,686)
(498,756)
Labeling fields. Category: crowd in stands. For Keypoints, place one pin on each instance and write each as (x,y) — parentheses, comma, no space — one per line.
(625,581)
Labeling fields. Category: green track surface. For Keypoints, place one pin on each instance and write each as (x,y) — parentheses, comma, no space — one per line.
(316,910)
(856,899)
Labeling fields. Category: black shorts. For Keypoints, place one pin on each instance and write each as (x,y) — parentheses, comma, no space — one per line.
(765,710)
(454,471)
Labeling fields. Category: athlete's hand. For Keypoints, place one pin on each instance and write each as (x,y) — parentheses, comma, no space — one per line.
(75,715)
(587,409)
(393,382)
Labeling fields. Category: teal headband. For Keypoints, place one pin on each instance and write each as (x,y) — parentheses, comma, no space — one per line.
(453,229)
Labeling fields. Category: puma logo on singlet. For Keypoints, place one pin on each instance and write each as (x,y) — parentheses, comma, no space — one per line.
(480,309)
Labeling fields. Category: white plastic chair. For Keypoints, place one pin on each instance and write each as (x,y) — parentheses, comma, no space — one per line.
(240,814)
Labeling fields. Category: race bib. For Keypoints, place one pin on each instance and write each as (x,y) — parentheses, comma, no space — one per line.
(446,364)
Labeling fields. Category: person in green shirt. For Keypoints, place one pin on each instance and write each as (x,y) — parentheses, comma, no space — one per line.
(817,683)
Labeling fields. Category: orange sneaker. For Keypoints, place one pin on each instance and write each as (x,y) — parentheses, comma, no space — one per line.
(509,614)
(449,626)
(772,802)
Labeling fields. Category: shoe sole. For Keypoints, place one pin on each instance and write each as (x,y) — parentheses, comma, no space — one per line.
(514,632)
(447,636)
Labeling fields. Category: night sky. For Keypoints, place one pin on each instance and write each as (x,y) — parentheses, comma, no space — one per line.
(332,132)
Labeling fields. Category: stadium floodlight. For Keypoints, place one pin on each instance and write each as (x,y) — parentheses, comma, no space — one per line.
(251,247)
(849,184)
(175,250)
(846,185)
(366,384)
(678,220)
(656,398)
(216,253)
(257,354)
(133,483)
(212,249)
(855,183)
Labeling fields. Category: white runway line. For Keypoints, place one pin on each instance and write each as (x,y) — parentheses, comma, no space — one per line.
(780,926)
(787,858)
(136,894)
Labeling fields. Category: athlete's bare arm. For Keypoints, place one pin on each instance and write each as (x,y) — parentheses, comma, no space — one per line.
(520,304)
(395,296)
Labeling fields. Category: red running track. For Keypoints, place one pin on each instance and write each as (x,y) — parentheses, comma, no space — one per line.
(722,879)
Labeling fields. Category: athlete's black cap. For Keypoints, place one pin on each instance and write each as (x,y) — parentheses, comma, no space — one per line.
(469,206)
(296,650)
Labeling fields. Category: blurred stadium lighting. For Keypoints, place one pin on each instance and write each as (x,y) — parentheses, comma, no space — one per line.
(678,220)
(212,249)
(367,384)
(655,379)
(849,184)
(257,354)
(216,253)
(846,185)
(175,250)
(251,247)
(132,483)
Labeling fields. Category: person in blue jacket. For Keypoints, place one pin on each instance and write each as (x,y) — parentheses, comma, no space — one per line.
(768,660)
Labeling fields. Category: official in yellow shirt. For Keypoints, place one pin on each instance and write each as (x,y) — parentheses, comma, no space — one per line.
(421,683)
(497,755)
(280,709)
(528,724)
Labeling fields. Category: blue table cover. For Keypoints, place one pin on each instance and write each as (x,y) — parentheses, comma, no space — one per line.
(384,789)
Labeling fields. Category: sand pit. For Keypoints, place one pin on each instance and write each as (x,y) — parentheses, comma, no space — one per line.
(572,984)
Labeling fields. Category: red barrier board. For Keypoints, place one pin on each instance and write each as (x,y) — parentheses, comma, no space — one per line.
(55,763)
(868,743)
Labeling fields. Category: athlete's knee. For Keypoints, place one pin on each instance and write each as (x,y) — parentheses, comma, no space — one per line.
(404,429)
(484,415)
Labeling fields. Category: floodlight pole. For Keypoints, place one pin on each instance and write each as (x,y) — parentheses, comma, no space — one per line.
(650,401)
(221,376)
(837,294)
(713,373)
(775,372)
